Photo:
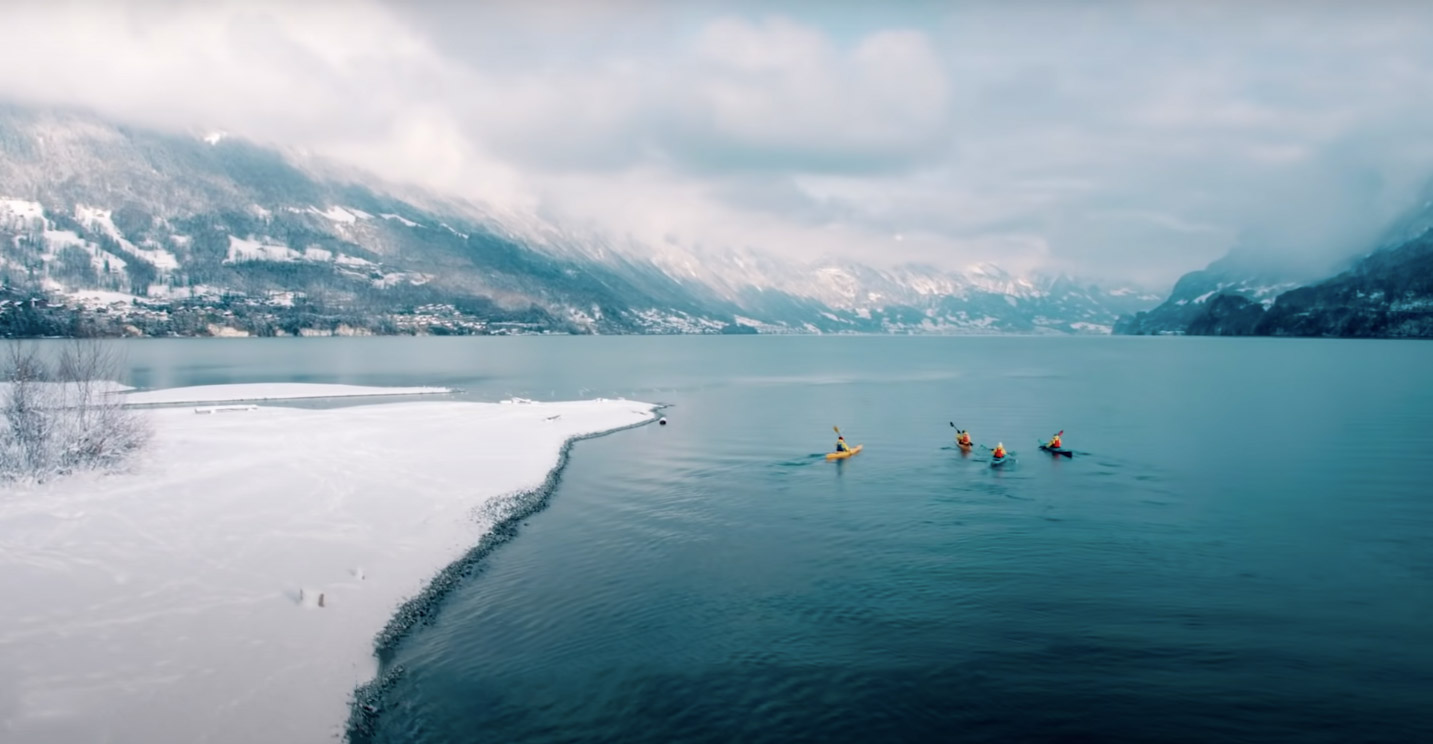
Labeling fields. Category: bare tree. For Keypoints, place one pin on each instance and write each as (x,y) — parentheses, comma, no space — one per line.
(103,431)
(65,417)
(29,413)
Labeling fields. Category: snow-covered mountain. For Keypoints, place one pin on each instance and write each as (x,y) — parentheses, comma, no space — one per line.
(1240,273)
(208,233)
(1385,292)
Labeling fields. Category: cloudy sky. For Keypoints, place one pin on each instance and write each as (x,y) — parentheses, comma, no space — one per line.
(1117,139)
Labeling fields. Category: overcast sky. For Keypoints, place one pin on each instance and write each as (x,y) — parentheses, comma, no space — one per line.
(1116,139)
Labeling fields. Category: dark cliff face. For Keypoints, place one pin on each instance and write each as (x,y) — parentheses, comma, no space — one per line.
(1388,294)
(1176,313)
(1238,275)
(1227,315)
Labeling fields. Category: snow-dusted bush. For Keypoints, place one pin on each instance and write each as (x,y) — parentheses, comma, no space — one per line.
(56,418)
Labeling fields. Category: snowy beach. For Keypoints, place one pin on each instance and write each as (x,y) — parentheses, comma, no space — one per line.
(228,588)
(270,391)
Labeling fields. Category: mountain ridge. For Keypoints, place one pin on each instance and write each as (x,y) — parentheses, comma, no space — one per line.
(1386,292)
(238,238)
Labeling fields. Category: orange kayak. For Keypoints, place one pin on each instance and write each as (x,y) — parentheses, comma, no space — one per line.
(844,455)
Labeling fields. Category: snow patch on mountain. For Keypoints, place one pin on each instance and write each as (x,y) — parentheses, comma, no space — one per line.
(399,218)
(61,238)
(399,277)
(102,221)
(450,229)
(19,214)
(347,216)
(104,262)
(353,261)
(243,249)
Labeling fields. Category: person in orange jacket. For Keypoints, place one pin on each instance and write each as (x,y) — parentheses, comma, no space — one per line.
(1054,442)
(963,439)
(999,451)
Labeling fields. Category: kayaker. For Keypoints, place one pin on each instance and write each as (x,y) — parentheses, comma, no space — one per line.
(999,451)
(1054,442)
(963,438)
(841,444)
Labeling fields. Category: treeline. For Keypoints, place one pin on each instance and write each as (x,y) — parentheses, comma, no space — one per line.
(29,315)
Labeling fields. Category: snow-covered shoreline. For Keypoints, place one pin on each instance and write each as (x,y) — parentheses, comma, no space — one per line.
(245,392)
(180,601)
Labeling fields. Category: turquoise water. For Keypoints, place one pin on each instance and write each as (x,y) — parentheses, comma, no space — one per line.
(1239,550)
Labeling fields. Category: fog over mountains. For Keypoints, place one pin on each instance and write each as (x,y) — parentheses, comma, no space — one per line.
(112,229)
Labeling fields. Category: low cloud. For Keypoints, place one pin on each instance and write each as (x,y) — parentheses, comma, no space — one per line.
(1115,139)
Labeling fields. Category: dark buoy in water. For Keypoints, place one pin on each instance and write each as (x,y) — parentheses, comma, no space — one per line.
(662,421)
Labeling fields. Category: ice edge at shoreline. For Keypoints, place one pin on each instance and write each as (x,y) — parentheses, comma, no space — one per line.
(510,511)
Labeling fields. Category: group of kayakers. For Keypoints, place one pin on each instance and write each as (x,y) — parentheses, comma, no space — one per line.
(1056,444)
(962,439)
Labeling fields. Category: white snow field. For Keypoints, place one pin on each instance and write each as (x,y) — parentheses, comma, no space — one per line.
(164,604)
(269,391)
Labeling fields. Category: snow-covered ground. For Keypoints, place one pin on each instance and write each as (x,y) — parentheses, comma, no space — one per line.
(100,297)
(180,601)
(244,249)
(67,393)
(269,391)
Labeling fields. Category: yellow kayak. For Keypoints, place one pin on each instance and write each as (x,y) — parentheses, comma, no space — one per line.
(844,455)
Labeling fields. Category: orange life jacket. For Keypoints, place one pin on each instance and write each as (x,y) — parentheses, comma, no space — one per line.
(1055,442)
(999,452)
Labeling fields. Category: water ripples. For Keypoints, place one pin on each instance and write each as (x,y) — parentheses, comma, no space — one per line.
(718,580)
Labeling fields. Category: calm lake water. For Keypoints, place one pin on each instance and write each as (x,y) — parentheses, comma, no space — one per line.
(1240,550)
